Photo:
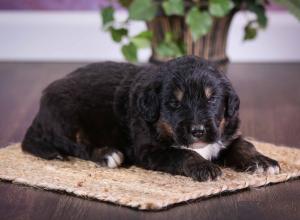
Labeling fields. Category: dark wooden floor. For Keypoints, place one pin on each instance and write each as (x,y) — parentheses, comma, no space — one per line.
(270,111)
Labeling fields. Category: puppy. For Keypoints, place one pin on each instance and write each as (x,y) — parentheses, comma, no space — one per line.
(180,117)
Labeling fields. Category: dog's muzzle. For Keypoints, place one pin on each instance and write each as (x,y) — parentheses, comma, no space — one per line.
(198,131)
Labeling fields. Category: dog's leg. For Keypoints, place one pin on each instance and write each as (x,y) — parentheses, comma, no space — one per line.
(50,138)
(151,154)
(176,161)
(52,145)
(242,156)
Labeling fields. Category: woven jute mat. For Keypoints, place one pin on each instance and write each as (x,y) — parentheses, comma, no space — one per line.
(135,187)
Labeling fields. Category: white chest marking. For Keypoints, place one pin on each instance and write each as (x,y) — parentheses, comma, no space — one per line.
(208,152)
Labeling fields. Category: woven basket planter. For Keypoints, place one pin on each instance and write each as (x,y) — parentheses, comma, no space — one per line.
(211,47)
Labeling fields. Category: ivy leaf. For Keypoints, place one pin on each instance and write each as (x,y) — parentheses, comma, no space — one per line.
(107,16)
(199,22)
(165,49)
(169,47)
(125,3)
(143,39)
(250,32)
(130,52)
(168,37)
(260,12)
(173,7)
(118,34)
(220,8)
(144,10)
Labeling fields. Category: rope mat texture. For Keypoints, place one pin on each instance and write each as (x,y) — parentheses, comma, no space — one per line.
(135,187)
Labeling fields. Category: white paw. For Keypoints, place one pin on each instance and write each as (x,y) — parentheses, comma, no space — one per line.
(115,159)
(259,170)
(273,170)
(269,170)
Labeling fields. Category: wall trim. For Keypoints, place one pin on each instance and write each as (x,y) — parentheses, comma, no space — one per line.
(77,36)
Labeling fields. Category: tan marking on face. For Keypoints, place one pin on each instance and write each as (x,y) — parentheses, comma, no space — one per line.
(178,94)
(165,129)
(222,125)
(208,92)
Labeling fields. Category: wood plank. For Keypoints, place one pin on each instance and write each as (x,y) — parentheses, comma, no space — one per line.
(270,107)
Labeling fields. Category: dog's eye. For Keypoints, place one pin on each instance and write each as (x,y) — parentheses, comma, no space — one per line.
(174,104)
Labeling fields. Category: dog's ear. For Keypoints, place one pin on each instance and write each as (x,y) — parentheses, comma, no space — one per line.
(148,102)
(232,104)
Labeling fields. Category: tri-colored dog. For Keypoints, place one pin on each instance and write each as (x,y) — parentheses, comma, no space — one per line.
(180,117)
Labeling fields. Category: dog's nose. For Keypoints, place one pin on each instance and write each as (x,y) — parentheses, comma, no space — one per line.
(198,130)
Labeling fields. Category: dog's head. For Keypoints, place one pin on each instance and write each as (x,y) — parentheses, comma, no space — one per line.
(190,103)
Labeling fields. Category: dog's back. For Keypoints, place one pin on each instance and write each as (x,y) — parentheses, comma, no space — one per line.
(76,106)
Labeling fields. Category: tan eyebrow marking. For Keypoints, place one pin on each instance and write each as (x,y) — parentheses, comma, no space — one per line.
(208,92)
(178,94)
(222,125)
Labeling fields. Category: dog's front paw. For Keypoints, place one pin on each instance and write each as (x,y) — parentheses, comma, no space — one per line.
(201,170)
(262,164)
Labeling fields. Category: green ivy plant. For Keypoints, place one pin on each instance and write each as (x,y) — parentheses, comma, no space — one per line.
(199,20)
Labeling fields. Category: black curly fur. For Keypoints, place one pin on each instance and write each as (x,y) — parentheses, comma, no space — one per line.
(134,109)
